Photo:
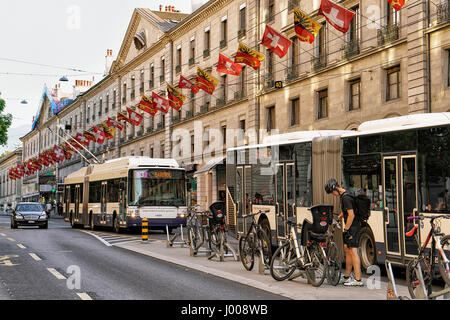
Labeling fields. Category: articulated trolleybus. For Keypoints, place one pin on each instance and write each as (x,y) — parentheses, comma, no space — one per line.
(120,192)
(403,163)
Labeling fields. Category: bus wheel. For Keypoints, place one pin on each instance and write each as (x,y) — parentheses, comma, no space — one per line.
(72,222)
(116,227)
(367,248)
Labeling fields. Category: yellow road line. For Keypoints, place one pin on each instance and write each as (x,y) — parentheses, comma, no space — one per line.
(58,275)
(21,246)
(84,296)
(35,257)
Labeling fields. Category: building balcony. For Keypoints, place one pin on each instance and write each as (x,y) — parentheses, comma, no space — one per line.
(204,108)
(140,132)
(318,63)
(178,69)
(388,34)
(239,95)
(130,136)
(191,62)
(176,118)
(150,83)
(160,126)
(270,17)
(221,102)
(122,140)
(189,114)
(350,49)
(161,78)
(241,33)
(291,73)
(293,4)
(223,44)
(269,82)
(443,12)
(206,53)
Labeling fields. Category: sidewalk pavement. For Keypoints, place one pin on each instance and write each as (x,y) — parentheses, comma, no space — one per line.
(297,289)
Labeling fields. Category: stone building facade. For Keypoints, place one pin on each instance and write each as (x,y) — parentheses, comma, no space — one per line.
(10,190)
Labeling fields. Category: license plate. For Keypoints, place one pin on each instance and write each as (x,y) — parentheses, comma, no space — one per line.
(30,221)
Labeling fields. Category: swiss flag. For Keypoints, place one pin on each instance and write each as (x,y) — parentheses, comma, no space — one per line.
(226,65)
(82,139)
(113,123)
(160,103)
(276,42)
(337,16)
(58,153)
(135,118)
(185,83)
(100,135)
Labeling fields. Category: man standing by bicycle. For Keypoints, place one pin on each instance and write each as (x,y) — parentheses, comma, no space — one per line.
(350,233)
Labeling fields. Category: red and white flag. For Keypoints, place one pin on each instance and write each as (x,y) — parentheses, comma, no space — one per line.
(160,103)
(226,65)
(135,118)
(82,139)
(337,16)
(58,153)
(113,123)
(185,83)
(100,135)
(276,42)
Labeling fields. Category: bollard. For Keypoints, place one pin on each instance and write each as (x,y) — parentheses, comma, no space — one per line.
(144,229)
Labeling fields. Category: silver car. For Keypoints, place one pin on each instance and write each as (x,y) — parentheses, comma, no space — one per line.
(29,214)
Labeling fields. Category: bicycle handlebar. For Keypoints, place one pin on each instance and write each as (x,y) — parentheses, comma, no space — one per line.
(255,213)
(421,217)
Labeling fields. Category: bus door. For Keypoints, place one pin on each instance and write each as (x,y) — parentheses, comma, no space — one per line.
(103,214)
(400,202)
(67,202)
(77,202)
(122,201)
(243,195)
(284,195)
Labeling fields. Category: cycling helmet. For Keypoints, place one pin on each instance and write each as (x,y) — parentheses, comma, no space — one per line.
(331,185)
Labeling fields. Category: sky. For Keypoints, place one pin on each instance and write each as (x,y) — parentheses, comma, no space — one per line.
(57,36)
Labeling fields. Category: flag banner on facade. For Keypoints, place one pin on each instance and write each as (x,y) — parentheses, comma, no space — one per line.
(100,136)
(228,66)
(90,136)
(74,144)
(44,160)
(122,117)
(82,139)
(67,150)
(397,4)
(306,29)
(175,97)
(11,174)
(205,81)
(36,164)
(135,118)
(275,42)
(146,105)
(113,123)
(185,83)
(58,153)
(160,103)
(49,155)
(108,130)
(339,17)
(249,56)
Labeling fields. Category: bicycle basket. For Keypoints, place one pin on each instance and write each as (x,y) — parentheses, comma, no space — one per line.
(218,211)
(322,217)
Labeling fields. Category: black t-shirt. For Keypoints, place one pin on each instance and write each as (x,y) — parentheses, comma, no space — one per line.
(347,204)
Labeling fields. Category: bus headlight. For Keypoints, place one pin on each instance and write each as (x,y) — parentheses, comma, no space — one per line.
(182,214)
(133,212)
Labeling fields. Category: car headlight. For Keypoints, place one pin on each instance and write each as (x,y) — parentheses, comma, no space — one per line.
(18,217)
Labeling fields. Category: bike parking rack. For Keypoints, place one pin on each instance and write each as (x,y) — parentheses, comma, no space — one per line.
(225,255)
(170,242)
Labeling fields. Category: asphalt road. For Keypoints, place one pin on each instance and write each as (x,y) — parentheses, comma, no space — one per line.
(65,264)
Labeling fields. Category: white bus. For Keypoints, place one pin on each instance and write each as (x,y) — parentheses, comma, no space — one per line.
(403,163)
(120,192)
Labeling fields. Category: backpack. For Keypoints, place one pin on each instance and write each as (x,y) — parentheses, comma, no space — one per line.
(362,204)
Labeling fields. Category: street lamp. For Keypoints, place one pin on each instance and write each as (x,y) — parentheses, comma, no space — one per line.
(64,78)
(24,101)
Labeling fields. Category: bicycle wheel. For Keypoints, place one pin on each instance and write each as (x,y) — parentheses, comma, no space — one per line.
(265,245)
(444,267)
(246,252)
(283,262)
(316,267)
(411,276)
(334,264)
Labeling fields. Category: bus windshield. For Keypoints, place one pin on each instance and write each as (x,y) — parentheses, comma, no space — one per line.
(157,187)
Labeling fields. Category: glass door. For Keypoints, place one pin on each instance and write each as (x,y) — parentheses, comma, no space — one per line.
(391,207)
(409,201)
(285,195)
(280,199)
(103,202)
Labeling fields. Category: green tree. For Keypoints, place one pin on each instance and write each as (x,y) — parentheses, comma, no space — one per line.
(5,123)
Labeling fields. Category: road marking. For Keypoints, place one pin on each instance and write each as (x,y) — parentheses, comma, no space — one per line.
(2,234)
(21,246)
(84,296)
(58,275)
(11,239)
(35,257)
(5,260)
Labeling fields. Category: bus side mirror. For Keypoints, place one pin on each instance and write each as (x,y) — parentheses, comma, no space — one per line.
(122,185)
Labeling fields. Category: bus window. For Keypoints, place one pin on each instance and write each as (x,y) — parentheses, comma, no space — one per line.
(95,191)
(303,175)
(263,184)
(113,190)
(434,170)
(72,194)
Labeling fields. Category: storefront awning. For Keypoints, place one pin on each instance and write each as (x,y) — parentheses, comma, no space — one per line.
(211,164)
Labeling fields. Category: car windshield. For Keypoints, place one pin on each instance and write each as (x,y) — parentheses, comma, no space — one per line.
(29,207)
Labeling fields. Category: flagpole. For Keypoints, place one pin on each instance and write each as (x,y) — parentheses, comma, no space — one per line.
(98,161)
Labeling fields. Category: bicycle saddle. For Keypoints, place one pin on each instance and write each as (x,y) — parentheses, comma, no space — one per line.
(411,232)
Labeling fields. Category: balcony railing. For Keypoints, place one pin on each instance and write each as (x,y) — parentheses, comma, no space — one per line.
(269,82)
(178,69)
(149,129)
(150,83)
(122,140)
(270,17)
(189,114)
(291,73)
(176,119)
(293,4)
(204,108)
(159,126)
(221,102)
(350,49)
(241,33)
(318,63)
(238,95)
(131,136)
(191,61)
(387,34)
(161,78)
(443,12)
(206,53)
(223,43)
(140,132)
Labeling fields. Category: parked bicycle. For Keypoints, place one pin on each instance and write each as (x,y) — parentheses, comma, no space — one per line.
(427,258)
(255,242)
(310,256)
(217,237)
(334,257)
(195,228)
